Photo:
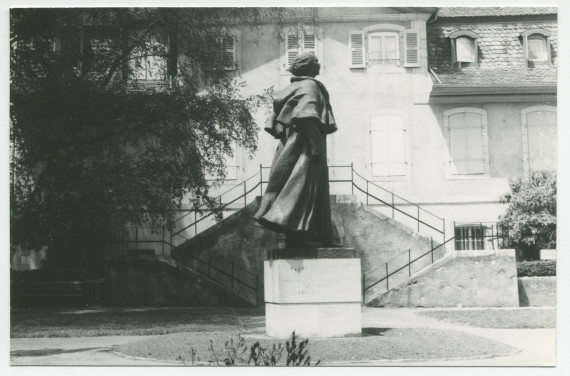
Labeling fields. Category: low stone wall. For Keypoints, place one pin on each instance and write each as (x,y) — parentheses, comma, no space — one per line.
(537,291)
(468,279)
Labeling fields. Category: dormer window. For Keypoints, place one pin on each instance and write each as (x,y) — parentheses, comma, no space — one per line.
(537,47)
(464,48)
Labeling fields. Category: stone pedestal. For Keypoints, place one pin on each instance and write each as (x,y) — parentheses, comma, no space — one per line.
(315,292)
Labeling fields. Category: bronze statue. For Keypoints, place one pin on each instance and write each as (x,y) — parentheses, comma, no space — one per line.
(296,201)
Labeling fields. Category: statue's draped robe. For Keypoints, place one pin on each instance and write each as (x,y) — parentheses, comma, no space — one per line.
(297,195)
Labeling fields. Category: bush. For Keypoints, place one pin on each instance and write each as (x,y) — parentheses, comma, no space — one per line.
(536,269)
(235,353)
(530,220)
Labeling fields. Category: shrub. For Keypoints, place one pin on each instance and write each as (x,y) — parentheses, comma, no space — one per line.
(536,268)
(530,220)
(234,351)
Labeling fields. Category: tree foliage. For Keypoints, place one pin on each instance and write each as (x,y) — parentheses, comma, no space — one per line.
(530,219)
(93,145)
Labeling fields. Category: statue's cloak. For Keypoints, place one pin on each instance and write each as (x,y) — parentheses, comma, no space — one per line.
(297,194)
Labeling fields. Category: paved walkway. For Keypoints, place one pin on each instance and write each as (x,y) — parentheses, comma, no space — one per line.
(537,345)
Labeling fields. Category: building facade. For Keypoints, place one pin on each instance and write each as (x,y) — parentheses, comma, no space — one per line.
(439,106)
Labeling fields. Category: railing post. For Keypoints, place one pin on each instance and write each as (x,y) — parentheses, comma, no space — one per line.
(244,193)
(387,286)
(393,206)
(352,177)
(418,219)
(444,230)
(363,290)
(232,280)
(409,262)
(260,179)
(209,262)
(257,290)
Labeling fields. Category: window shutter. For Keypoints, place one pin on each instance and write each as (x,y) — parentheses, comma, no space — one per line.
(412,48)
(291,47)
(229,50)
(232,164)
(310,43)
(387,137)
(356,47)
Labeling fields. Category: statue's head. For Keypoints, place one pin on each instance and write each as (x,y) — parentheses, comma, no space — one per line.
(305,64)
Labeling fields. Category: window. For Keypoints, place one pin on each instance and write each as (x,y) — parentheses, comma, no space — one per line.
(465,132)
(539,138)
(537,47)
(480,236)
(226,48)
(388,145)
(232,166)
(296,43)
(148,62)
(383,48)
(384,45)
(464,51)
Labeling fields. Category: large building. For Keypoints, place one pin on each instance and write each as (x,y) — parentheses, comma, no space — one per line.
(439,106)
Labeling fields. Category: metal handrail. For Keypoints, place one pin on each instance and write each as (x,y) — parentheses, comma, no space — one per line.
(395,195)
(260,184)
(395,208)
(408,265)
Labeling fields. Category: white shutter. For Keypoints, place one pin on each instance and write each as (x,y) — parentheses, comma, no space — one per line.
(356,49)
(388,153)
(412,48)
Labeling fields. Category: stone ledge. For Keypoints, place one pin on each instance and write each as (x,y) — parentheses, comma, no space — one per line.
(310,253)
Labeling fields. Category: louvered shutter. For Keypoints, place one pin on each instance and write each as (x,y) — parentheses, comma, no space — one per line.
(356,47)
(229,51)
(292,48)
(412,48)
(309,43)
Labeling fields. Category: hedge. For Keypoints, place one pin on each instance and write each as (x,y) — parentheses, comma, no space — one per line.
(536,268)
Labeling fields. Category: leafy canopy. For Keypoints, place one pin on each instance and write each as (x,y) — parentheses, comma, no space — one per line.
(119,115)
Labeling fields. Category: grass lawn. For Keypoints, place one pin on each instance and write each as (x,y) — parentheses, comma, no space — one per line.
(118,322)
(498,319)
(375,344)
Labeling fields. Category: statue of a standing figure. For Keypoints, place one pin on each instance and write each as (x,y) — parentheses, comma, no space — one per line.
(296,201)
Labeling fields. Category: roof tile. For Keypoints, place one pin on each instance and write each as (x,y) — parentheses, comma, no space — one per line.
(494,11)
(498,76)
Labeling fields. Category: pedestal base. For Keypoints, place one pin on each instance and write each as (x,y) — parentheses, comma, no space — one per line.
(315,296)
(316,320)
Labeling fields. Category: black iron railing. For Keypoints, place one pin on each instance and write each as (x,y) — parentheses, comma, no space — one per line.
(390,270)
(480,236)
(168,240)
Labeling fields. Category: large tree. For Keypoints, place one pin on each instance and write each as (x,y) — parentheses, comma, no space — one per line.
(93,145)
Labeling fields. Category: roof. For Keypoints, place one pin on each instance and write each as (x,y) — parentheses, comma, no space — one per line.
(498,76)
(494,11)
